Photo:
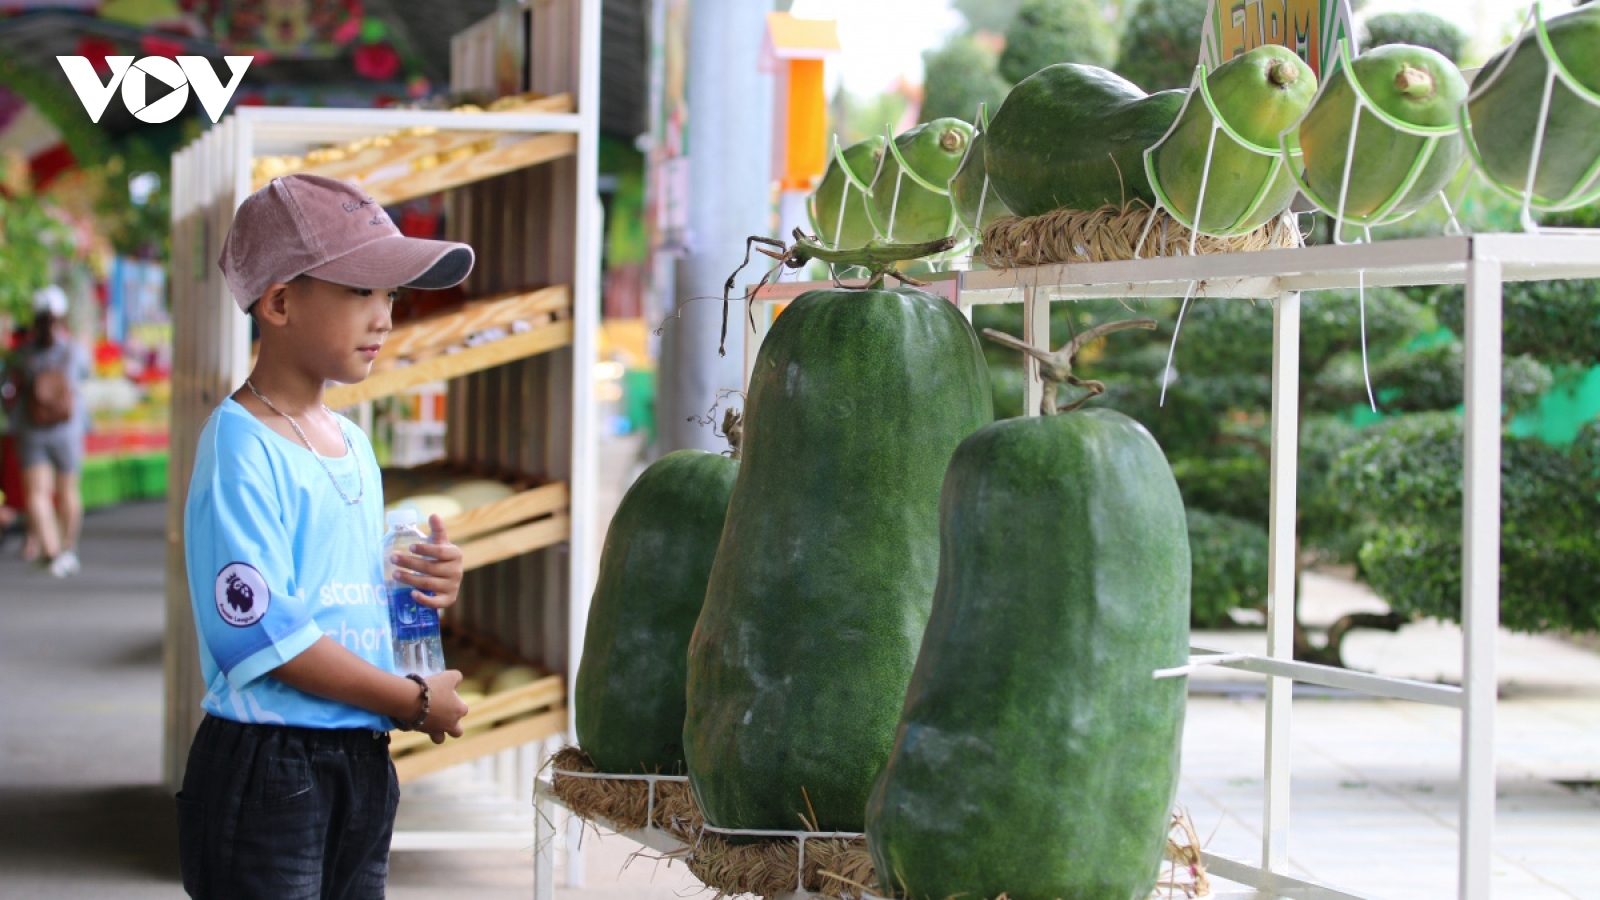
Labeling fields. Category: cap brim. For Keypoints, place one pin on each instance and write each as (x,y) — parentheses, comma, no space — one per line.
(399,261)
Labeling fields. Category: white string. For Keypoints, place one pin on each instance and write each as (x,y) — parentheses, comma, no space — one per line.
(894,205)
(1166,374)
(1349,163)
(1528,223)
(844,201)
(1205,177)
(1361,281)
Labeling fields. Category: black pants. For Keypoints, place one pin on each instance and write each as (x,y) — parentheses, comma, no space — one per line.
(281,813)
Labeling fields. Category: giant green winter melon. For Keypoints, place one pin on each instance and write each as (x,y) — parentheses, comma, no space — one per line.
(839,204)
(817,600)
(1416,86)
(974,198)
(1073,136)
(628,700)
(1257,95)
(907,209)
(1504,113)
(1037,757)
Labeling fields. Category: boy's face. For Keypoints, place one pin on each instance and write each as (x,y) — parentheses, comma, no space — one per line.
(336,330)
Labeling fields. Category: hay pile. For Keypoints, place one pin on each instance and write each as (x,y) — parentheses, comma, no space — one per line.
(833,866)
(1185,875)
(623,802)
(1113,233)
(836,867)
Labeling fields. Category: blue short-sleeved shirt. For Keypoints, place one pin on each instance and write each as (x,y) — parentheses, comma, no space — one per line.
(276,559)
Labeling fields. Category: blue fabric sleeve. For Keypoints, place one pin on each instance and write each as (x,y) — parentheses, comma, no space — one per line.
(247,602)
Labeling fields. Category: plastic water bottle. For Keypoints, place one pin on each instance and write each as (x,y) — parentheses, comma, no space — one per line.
(417,647)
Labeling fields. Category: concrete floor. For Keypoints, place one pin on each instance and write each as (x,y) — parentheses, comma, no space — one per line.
(82,813)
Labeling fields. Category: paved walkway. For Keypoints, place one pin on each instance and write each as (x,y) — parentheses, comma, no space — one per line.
(82,813)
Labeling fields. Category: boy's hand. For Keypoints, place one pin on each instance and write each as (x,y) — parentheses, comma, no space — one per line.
(445,706)
(434,567)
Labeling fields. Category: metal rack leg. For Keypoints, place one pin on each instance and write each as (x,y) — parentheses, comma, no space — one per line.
(1281,574)
(1035,331)
(544,849)
(1480,571)
(574,851)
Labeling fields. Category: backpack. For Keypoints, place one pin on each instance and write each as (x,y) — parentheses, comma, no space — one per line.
(48,399)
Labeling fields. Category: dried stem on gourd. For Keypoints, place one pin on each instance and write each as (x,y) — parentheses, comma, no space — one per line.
(1056,368)
(879,259)
(733,430)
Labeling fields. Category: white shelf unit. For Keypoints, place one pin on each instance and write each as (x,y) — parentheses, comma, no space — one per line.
(1483,263)
(520,187)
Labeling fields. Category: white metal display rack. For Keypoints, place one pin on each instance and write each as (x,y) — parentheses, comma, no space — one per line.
(1483,263)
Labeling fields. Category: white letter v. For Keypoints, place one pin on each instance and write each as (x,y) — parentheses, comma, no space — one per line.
(87,84)
(213,96)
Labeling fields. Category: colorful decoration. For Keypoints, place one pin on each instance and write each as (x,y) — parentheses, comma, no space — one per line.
(95,50)
(154,44)
(377,62)
(292,29)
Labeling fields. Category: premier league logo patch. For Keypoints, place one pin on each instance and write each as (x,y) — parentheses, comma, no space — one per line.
(242,595)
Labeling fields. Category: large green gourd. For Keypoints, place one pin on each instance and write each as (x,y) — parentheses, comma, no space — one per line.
(1037,757)
(1258,94)
(911,212)
(851,227)
(974,198)
(1505,113)
(628,699)
(1415,85)
(820,591)
(1073,136)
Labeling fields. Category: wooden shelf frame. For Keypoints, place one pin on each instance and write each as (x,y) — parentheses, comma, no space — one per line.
(533,342)
(419,338)
(530,706)
(415,148)
(500,738)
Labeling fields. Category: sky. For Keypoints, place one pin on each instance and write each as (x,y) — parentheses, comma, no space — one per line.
(883,40)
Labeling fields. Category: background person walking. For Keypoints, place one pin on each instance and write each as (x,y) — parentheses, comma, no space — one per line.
(50,423)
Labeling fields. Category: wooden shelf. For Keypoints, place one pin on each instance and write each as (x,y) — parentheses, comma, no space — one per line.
(538,340)
(492,533)
(496,156)
(531,504)
(455,751)
(494,708)
(419,339)
(516,541)
(414,162)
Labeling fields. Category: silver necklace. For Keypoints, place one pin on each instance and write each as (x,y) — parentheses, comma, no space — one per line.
(360,479)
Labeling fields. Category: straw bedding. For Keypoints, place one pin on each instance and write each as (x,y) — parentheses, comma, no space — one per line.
(835,867)
(1113,233)
(623,803)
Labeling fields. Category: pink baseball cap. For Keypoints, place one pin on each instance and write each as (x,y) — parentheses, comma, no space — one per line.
(329,229)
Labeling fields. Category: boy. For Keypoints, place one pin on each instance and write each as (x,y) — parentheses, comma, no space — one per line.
(289,792)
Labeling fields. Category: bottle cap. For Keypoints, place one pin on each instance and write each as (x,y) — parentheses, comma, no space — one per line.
(405,515)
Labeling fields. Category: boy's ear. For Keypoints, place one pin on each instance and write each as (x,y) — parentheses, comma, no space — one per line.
(273,307)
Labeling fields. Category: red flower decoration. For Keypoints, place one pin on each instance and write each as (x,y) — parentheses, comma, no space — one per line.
(377,62)
(156,45)
(347,31)
(95,50)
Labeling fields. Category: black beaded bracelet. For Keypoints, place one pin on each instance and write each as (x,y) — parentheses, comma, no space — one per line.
(421,716)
